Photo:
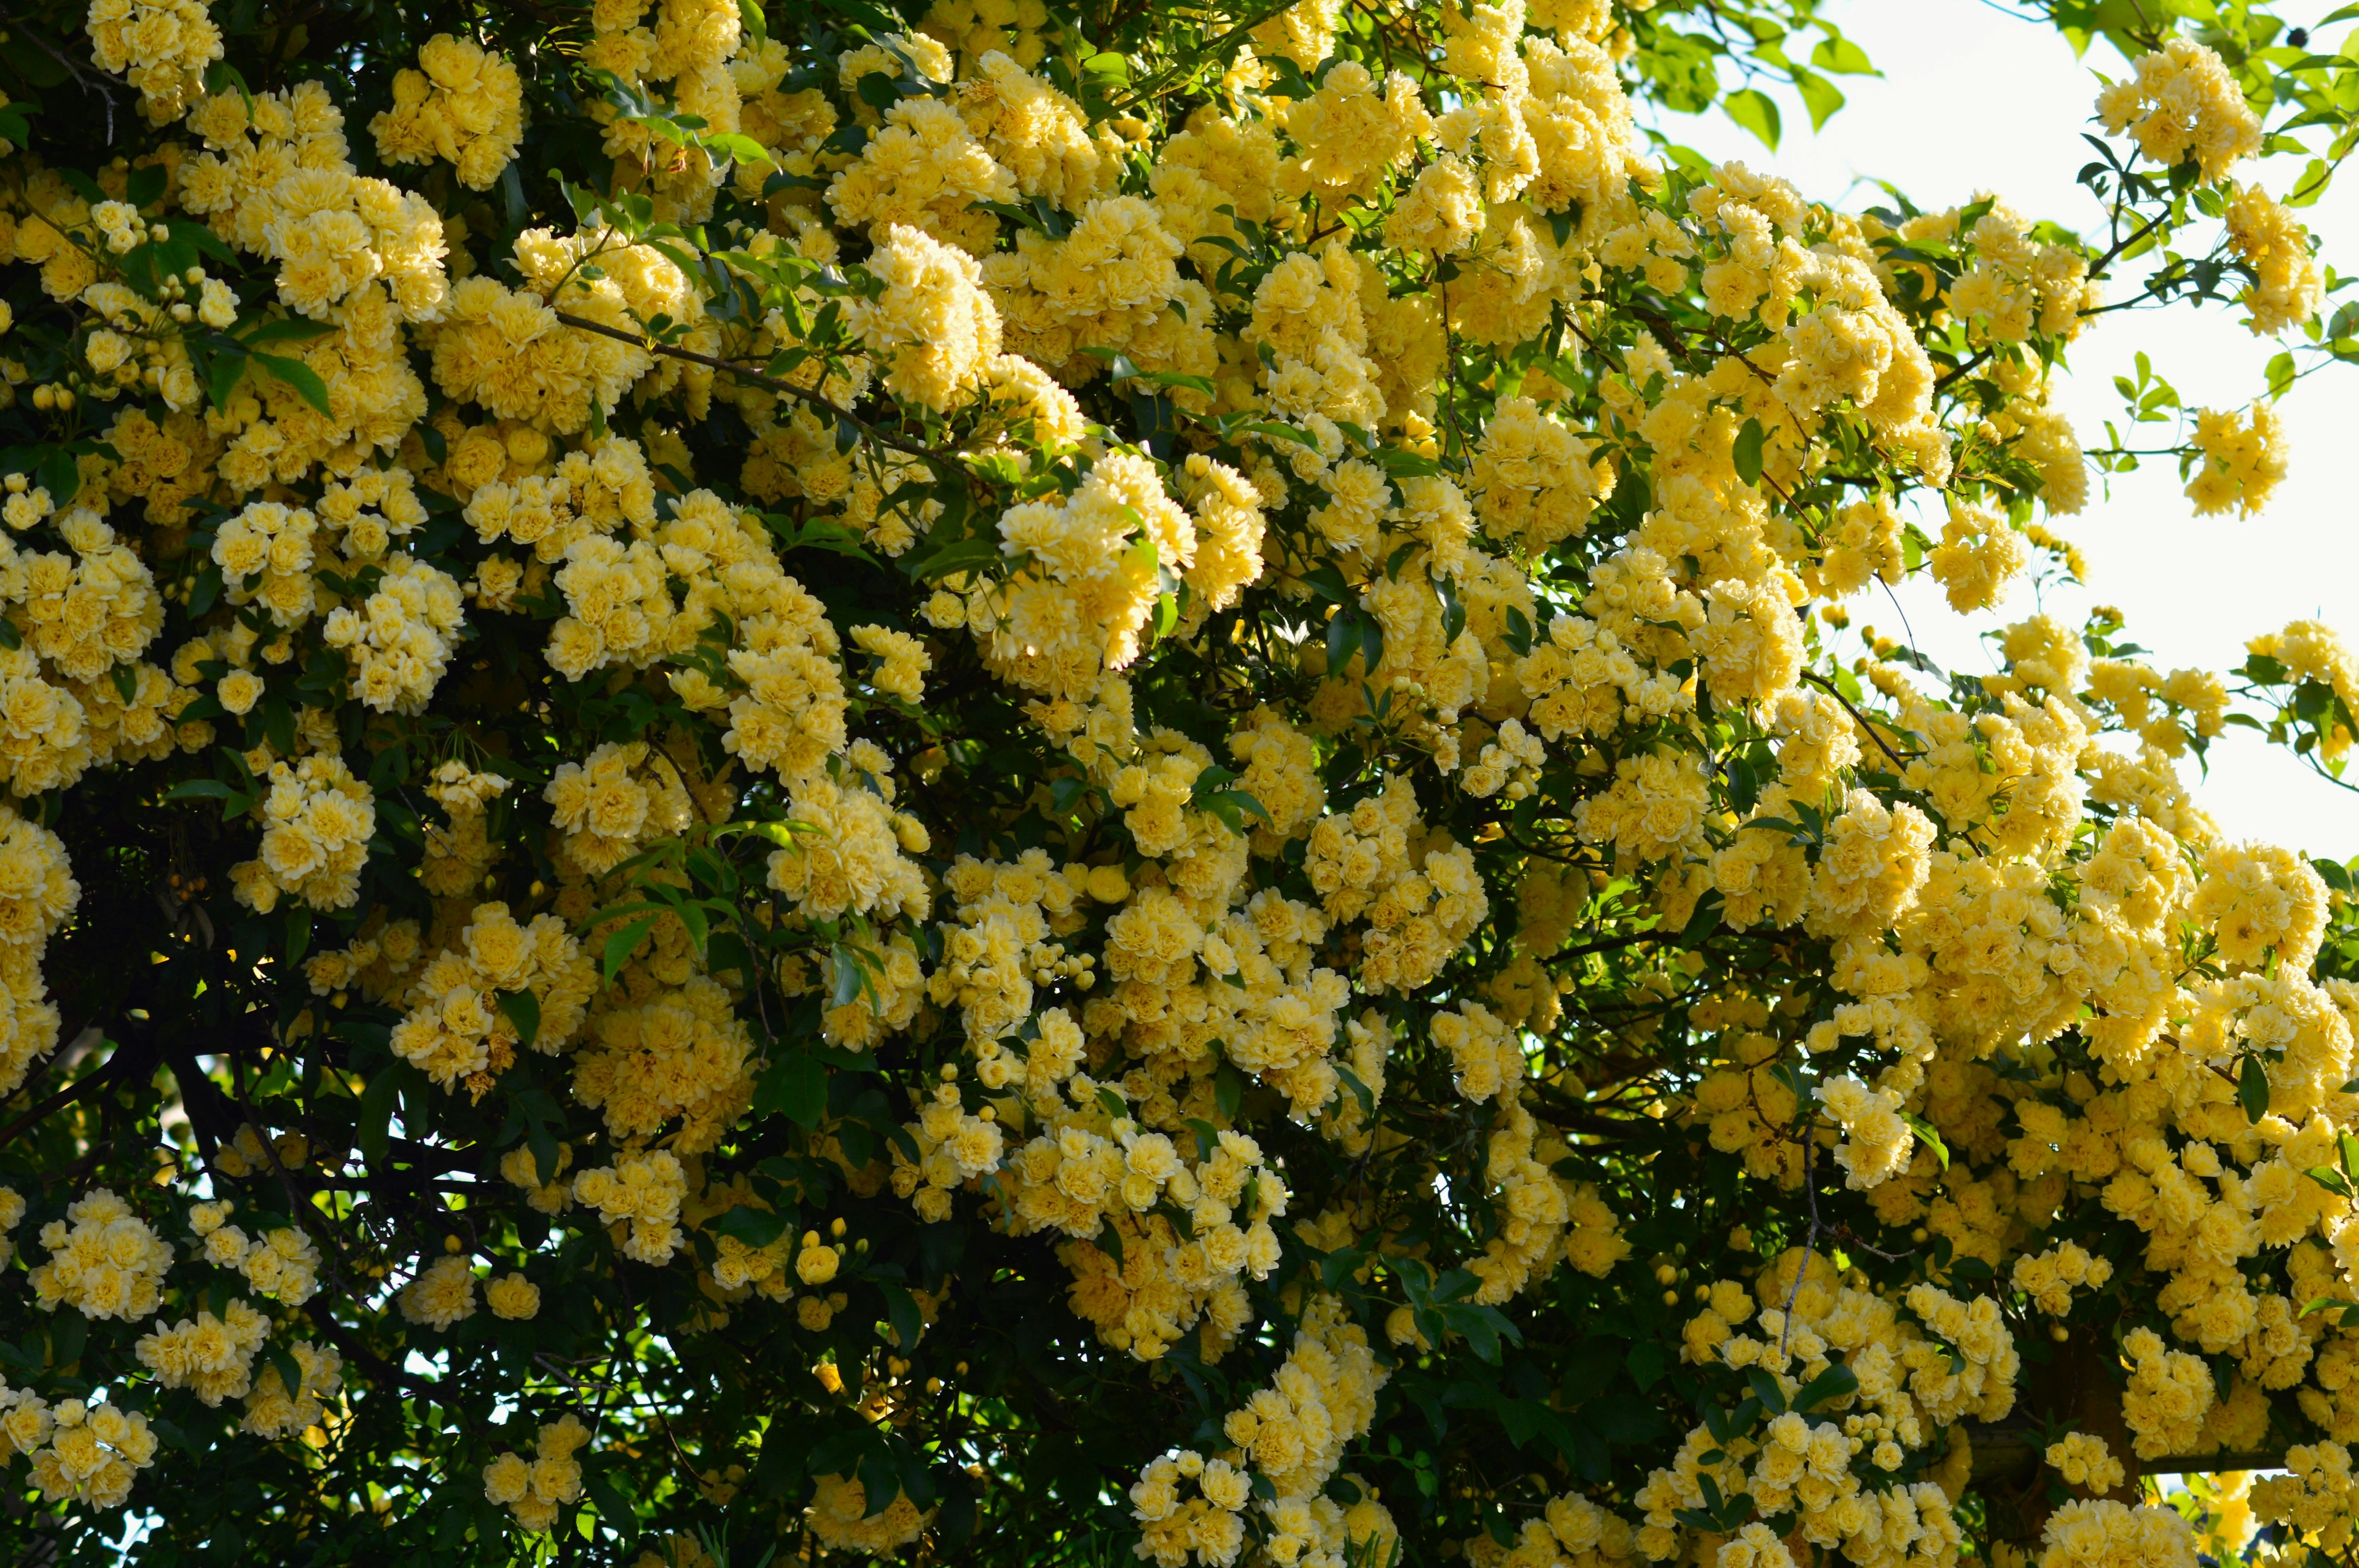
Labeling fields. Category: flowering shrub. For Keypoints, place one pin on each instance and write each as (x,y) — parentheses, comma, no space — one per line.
(1035,786)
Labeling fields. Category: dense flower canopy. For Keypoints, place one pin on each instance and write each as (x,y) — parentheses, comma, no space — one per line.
(1022,784)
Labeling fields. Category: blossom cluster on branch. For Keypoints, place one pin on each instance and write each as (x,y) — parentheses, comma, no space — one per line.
(1021,783)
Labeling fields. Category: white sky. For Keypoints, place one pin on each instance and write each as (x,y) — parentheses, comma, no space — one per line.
(1976,99)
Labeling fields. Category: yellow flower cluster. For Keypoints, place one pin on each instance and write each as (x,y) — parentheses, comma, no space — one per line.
(283,1264)
(1571,1532)
(638,1196)
(456,1027)
(2180,102)
(273,1410)
(442,1294)
(1575,583)
(1293,1434)
(316,823)
(160,47)
(2243,460)
(506,351)
(2085,1533)
(841,1519)
(2170,1393)
(682,1053)
(38,893)
(214,1356)
(921,173)
(2314,1498)
(1089,572)
(790,716)
(92,1454)
(1876,1143)
(1086,1172)
(2083,1462)
(533,1489)
(621,797)
(2288,286)
(934,328)
(107,1264)
(853,855)
(463,104)
(1910,1387)
(2049,1278)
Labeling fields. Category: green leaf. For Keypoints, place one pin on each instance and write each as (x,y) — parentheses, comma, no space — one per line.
(1702,921)
(1820,96)
(2253,1088)
(615,1504)
(1746,453)
(522,1010)
(223,375)
(902,1309)
(794,1086)
(2281,373)
(290,1372)
(1755,112)
(60,476)
(68,1331)
(1842,56)
(220,77)
(145,186)
(1228,1089)
(546,1154)
(1927,1135)
(853,979)
(2312,184)
(374,1127)
(617,951)
(1764,1389)
(739,147)
(301,377)
(757,1227)
(1838,1382)
(2333,1180)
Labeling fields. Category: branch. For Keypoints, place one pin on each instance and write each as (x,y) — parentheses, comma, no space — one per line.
(94,1078)
(1608,943)
(88,81)
(1858,717)
(767,383)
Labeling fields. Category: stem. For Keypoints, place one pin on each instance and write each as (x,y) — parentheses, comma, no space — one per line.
(1858,717)
(768,383)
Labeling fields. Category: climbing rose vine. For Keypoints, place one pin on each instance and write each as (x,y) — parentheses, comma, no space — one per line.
(1025,785)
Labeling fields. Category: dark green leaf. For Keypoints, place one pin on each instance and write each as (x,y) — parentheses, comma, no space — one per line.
(301,377)
(1746,453)
(522,1010)
(794,1086)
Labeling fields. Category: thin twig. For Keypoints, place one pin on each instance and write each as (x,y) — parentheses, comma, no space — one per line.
(766,382)
(86,81)
(1860,719)
(94,1078)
